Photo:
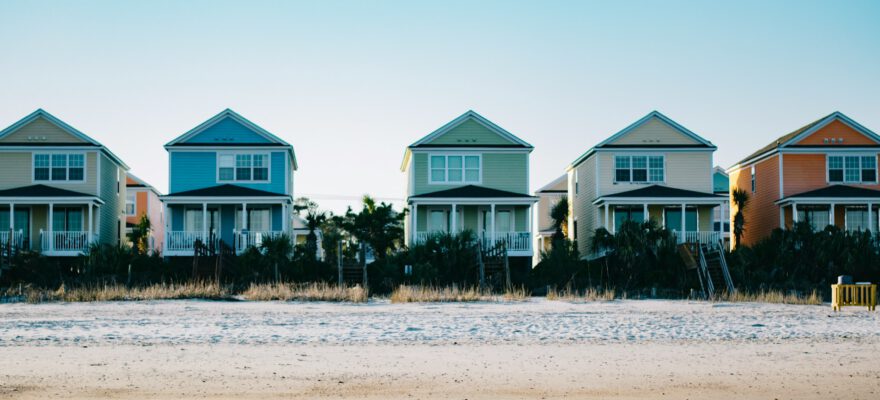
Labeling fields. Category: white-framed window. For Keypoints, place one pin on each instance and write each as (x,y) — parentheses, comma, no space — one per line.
(852,169)
(455,168)
(817,217)
(259,219)
(639,169)
(130,201)
(59,167)
(857,219)
(242,167)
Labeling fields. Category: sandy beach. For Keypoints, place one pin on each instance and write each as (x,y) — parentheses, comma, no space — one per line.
(537,349)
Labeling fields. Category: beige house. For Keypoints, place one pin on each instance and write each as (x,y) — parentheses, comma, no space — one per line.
(60,190)
(654,168)
(548,196)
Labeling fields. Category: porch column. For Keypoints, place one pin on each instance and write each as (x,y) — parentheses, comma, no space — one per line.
(284,218)
(831,216)
(645,212)
(794,216)
(529,223)
(11,217)
(415,222)
(492,218)
(244,219)
(51,228)
(781,217)
(204,221)
(683,219)
(91,239)
(607,228)
(454,221)
(870,217)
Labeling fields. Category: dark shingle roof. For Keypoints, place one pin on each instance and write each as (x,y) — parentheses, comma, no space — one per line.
(838,191)
(226,190)
(784,138)
(41,191)
(661,191)
(470,191)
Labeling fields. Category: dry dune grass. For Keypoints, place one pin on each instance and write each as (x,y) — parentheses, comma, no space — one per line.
(306,292)
(432,294)
(591,294)
(771,296)
(116,292)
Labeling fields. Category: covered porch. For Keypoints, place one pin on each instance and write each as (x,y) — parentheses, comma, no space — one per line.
(55,222)
(848,208)
(689,215)
(213,217)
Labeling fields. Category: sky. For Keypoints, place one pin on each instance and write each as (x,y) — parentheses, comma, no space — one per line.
(351,83)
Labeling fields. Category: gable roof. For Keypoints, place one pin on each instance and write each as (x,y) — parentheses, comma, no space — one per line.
(795,136)
(470,191)
(40,113)
(555,186)
(609,142)
(720,180)
(43,191)
(225,190)
(655,191)
(836,191)
(140,183)
(181,141)
(471,115)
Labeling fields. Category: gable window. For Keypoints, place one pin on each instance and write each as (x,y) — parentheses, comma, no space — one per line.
(455,169)
(852,169)
(639,169)
(130,208)
(59,167)
(243,167)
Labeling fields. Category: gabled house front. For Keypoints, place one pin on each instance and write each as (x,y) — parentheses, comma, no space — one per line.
(230,181)
(60,190)
(824,173)
(142,199)
(653,169)
(470,175)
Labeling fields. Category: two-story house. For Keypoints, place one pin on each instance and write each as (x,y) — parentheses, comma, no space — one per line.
(142,199)
(470,175)
(548,196)
(824,173)
(229,180)
(60,190)
(654,168)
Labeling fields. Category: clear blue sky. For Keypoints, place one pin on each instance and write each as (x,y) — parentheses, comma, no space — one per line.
(350,84)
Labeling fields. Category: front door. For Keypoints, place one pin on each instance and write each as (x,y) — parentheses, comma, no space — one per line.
(673,219)
(22,219)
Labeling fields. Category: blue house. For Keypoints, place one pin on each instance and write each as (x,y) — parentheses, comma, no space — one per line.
(229,181)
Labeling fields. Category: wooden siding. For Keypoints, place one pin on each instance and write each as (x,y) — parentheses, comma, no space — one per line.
(41,127)
(112,220)
(502,171)
(198,169)
(227,130)
(805,172)
(836,129)
(654,131)
(470,132)
(18,171)
(761,213)
(683,170)
(581,204)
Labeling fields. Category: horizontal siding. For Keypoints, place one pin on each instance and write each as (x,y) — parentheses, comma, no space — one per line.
(18,171)
(228,131)
(684,170)
(198,170)
(470,132)
(41,128)
(545,204)
(112,212)
(502,171)
(581,205)
(761,213)
(654,132)
(806,172)
(837,130)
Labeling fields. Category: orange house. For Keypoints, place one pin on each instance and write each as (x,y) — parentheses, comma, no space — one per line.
(143,199)
(824,173)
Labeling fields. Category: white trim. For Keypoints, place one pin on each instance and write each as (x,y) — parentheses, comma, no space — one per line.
(463,181)
(226,200)
(659,201)
(837,115)
(470,114)
(648,180)
(227,113)
(234,154)
(844,181)
(50,153)
(781,175)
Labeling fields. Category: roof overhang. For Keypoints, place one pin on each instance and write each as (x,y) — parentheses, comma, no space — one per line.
(50,200)
(660,200)
(223,199)
(473,200)
(827,200)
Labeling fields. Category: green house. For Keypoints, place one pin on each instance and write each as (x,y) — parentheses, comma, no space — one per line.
(470,175)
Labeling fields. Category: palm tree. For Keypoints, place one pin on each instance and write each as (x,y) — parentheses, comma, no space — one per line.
(140,235)
(378,225)
(277,251)
(740,200)
(314,220)
(559,215)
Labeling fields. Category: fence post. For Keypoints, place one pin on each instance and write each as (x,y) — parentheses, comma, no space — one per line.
(339,261)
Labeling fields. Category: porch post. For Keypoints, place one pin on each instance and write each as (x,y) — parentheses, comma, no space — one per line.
(284,217)
(452,224)
(11,217)
(492,218)
(645,212)
(415,222)
(529,223)
(204,221)
(794,216)
(244,218)
(90,223)
(831,220)
(870,217)
(51,228)
(607,228)
(683,219)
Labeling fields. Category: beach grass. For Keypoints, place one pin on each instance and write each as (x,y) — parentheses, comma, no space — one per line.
(771,296)
(590,294)
(320,291)
(454,294)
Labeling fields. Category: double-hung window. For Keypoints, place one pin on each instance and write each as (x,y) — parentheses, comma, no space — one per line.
(852,169)
(59,167)
(243,167)
(639,169)
(130,202)
(454,169)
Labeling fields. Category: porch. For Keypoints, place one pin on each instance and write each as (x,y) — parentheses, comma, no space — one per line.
(492,223)
(845,207)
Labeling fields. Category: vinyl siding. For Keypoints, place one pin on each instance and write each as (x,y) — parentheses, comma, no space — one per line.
(41,127)
(198,170)
(581,204)
(836,129)
(227,131)
(652,132)
(114,203)
(683,170)
(806,172)
(761,213)
(502,171)
(546,201)
(18,171)
(472,133)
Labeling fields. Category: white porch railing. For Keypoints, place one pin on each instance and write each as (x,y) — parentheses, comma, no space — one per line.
(697,236)
(17,238)
(515,241)
(64,241)
(243,240)
(183,242)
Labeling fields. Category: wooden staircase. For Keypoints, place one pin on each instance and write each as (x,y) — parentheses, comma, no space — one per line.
(493,265)
(353,273)
(711,267)
(209,259)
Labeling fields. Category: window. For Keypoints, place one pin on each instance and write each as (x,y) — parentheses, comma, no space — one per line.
(623,214)
(852,169)
(817,217)
(753,179)
(437,221)
(502,218)
(59,167)
(639,169)
(673,219)
(857,219)
(243,167)
(575,226)
(259,220)
(130,208)
(454,169)
(67,219)
(193,220)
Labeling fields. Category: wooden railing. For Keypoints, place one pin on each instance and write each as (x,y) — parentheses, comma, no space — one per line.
(861,295)
(184,242)
(712,237)
(514,241)
(17,239)
(243,240)
(64,241)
